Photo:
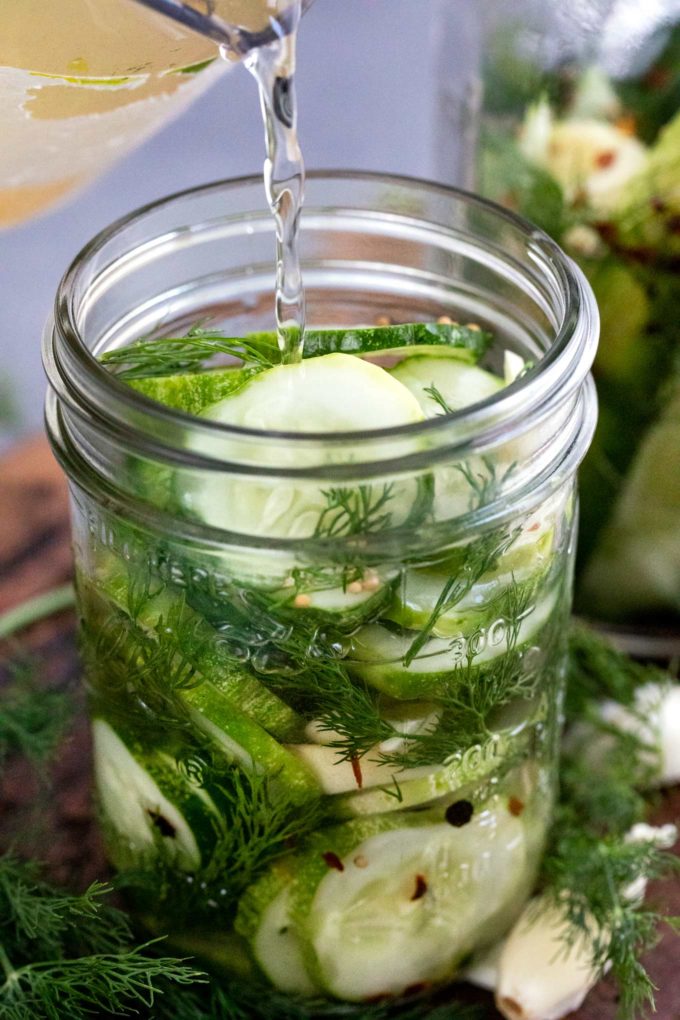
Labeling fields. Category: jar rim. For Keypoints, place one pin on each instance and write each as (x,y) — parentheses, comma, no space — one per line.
(562,368)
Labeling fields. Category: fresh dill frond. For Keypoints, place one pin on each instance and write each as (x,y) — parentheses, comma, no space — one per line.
(480,557)
(190,353)
(597,671)
(438,397)
(64,954)
(589,876)
(33,718)
(590,866)
(469,706)
(37,915)
(260,821)
(486,484)
(354,511)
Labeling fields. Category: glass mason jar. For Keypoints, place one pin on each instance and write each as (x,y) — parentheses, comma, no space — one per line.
(576,125)
(325,669)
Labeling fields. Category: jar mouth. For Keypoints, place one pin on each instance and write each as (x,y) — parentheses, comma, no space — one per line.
(81,380)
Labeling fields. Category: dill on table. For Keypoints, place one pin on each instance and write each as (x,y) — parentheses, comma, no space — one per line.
(589,865)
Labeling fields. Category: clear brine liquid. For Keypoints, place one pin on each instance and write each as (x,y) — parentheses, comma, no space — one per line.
(273,67)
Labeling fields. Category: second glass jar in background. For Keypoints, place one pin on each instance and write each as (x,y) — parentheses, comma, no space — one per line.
(571,118)
(327,666)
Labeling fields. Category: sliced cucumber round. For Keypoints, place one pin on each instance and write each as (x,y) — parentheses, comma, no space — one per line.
(406,905)
(445,384)
(242,740)
(494,598)
(377,655)
(149,806)
(466,771)
(336,774)
(333,393)
(279,951)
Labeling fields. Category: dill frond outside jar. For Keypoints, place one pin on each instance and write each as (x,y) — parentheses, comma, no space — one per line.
(323,606)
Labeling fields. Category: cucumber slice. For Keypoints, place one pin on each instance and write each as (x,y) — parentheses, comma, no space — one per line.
(377,654)
(193,392)
(335,775)
(491,599)
(461,775)
(468,343)
(405,906)
(279,950)
(335,392)
(458,384)
(244,741)
(230,682)
(148,804)
(345,606)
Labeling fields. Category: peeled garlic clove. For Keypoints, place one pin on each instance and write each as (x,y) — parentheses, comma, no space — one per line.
(540,976)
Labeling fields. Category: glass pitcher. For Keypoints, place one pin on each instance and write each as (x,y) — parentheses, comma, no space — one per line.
(569,114)
(83,81)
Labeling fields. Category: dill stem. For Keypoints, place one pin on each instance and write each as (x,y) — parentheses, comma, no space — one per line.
(37,608)
(7,967)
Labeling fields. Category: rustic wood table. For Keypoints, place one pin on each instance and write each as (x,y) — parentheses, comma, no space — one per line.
(34,557)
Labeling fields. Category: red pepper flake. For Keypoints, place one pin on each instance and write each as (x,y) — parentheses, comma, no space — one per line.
(515,806)
(657,204)
(460,813)
(416,989)
(333,861)
(356,769)
(421,888)
(535,526)
(605,159)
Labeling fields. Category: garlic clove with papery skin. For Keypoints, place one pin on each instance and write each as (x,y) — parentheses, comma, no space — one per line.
(540,975)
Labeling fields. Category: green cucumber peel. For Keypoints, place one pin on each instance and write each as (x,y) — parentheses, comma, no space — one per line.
(168,356)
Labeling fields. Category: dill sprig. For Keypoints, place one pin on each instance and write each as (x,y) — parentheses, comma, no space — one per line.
(354,511)
(597,670)
(33,719)
(171,355)
(485,485)
(64,954)
(589,877)
(590,866)
(436,394)
(259,823)
(480,557)
(469,705)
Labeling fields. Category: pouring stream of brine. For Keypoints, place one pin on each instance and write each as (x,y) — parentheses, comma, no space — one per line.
(273,67)
(265,33)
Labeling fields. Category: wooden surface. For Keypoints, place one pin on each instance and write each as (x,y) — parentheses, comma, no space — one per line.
(34,557)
